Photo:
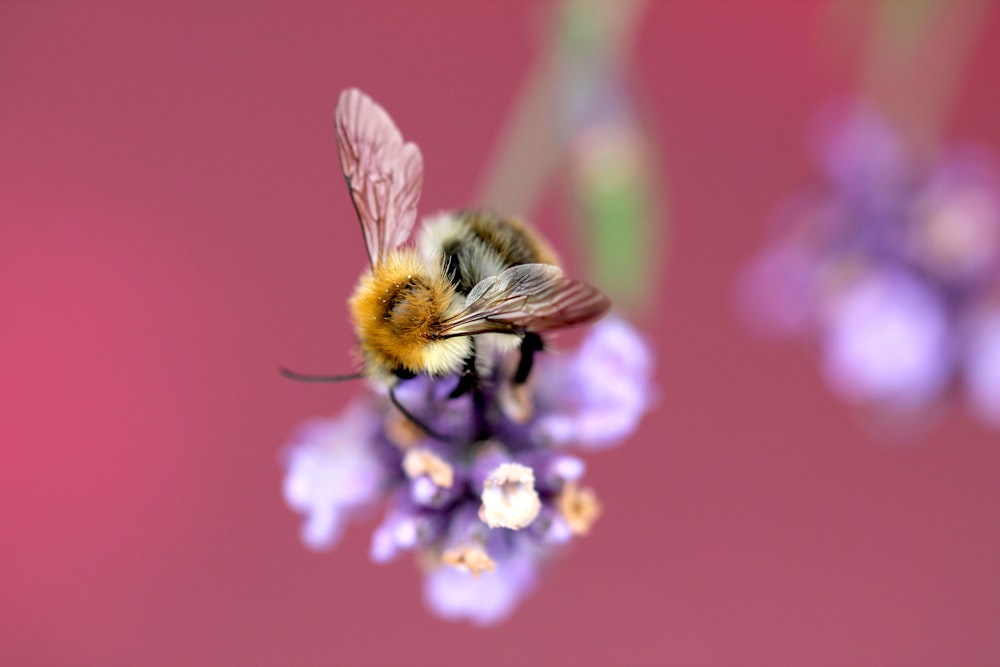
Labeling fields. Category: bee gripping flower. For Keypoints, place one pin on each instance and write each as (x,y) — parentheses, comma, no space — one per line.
(474,485)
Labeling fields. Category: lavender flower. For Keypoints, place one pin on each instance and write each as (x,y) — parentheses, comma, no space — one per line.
(486,505)
(982,364)
(890,265)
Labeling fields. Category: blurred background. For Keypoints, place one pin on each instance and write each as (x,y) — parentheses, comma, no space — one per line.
(174,226)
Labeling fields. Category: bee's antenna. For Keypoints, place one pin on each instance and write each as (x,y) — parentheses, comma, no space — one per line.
(302,377)
(409,415)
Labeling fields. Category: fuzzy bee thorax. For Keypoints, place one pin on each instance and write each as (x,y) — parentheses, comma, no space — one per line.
(398,307)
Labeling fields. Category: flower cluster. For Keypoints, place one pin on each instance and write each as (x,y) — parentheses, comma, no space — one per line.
(489,499)
(892,265)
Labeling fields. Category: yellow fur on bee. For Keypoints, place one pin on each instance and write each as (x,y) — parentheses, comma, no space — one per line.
(397,309)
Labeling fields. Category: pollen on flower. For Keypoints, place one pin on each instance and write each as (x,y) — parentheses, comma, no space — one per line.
(509,497)
(401,430)
(515,401)
(472,558)
(420,461)
(579,507)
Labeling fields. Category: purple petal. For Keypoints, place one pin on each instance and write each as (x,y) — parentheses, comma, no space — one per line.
(982,367)
(777,290)
(488,599)
(332,470)
(397,533)
(858,148)
(888,340)
(598,397)
(955,226)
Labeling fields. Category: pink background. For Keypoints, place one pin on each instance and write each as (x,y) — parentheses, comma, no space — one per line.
(173,227)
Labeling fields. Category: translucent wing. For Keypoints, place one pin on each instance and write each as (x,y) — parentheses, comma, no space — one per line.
(384,175)
(533,297)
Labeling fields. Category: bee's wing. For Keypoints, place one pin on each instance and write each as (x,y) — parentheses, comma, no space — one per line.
(384,174)
(532,297)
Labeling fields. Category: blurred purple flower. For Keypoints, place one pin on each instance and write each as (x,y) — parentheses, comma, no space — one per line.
(780,283)
(955,235)
(884,264)
(332,473)
(858,150)
(487,504)
(887,340)
(982,365)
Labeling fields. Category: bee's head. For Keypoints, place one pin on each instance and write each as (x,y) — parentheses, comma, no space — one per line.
(397,309)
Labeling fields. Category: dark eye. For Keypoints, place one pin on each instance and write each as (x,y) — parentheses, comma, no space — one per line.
(404,373)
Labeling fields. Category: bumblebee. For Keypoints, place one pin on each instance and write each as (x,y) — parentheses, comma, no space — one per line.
(473,286)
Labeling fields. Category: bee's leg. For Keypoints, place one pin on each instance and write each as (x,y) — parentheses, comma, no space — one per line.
(469,383)
(469,380)
(418,423)
(530,344)
(479,405)
(516,402)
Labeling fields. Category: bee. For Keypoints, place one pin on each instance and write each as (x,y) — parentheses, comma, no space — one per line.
(473,286)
